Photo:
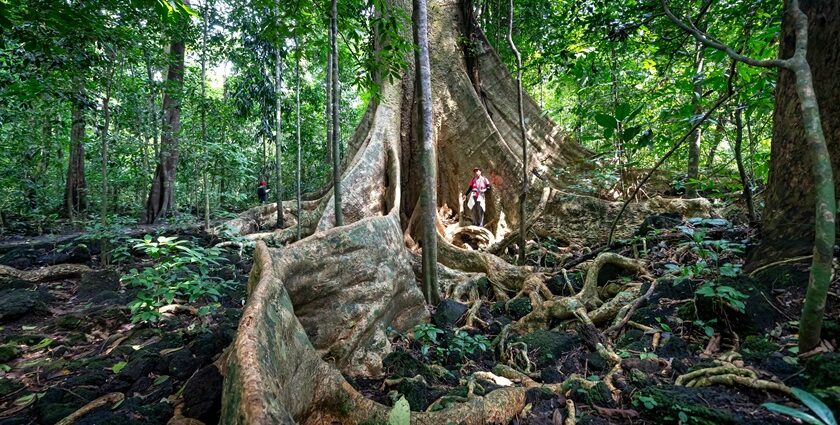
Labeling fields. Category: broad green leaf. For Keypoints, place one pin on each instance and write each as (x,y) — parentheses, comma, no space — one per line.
(118,367)
(622,111)
(606,121)
(798,414)
(400,413)
(816,405)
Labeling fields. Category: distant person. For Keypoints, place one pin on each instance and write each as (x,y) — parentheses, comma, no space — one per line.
(262,192)
(475,193)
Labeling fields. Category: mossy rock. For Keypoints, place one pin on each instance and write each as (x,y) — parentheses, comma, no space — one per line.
(598,395)
(665,405)
(401,364)
(69,322)
(634,340)
(823,370)
(756,348)
(758,316)
(519,308)
(548,346)
(8,352)
(7,386)
(418,395)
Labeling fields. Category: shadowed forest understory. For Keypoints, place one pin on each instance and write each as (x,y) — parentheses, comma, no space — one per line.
(426,212)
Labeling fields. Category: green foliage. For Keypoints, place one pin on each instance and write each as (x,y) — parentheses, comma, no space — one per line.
(400,414)
(725,294)
(426,334)
(180,272)
(813,403)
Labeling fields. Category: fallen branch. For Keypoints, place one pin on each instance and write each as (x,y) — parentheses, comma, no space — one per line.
(93,405)
(58,271)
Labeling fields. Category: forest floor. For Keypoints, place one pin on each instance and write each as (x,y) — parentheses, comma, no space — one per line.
(67,342)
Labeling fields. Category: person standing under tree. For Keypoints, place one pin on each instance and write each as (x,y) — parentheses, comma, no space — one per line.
(475,191)
(262,192)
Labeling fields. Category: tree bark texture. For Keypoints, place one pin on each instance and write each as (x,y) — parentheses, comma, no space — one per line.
(162,193)
(788,224)
(428,157)
(75,191)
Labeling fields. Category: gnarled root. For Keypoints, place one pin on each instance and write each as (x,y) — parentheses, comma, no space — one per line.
(729,373)
(587,300)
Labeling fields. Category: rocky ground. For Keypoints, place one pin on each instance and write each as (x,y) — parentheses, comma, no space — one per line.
(677,331)
(65,343)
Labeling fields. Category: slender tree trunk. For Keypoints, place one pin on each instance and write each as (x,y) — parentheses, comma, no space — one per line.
(739,160)
(75,192)
(278,122)
(328,115)
(523,134)
(297,136)
(697,136)
(204,141)
(162,193)
(336,133)
(153,115)
(428,155)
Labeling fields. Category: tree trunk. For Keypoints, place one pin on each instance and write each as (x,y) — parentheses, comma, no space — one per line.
(739,161)
(697,136)
(428,159)
(328,114)
(365,265)
(161,195)
(278,122)
(75,191)
(204,141)
(297,136)
(336,133)
(524,137)
(787,228)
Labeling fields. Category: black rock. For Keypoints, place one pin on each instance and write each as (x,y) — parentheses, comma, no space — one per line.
(203,395)
(78,253)
(659,221)
(448,312)
(137,368)
(16,303)
(8,352)
(549,346)
(182,364)
(7,386)
(519,308)
(96,283)
(21,258)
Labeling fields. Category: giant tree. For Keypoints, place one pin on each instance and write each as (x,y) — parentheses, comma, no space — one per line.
(162,193)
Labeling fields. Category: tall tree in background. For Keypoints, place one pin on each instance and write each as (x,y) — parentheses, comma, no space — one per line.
(75,192)
(334,98)
(278,119)
(204,141)
(696,100)
(428,156)
(299,205)
(162,193)
(522,133)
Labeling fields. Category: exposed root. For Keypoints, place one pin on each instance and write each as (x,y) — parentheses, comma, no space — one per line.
(93,405)
(586,305)
(471,318)
(58,271)
(571,419)
(729,373)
